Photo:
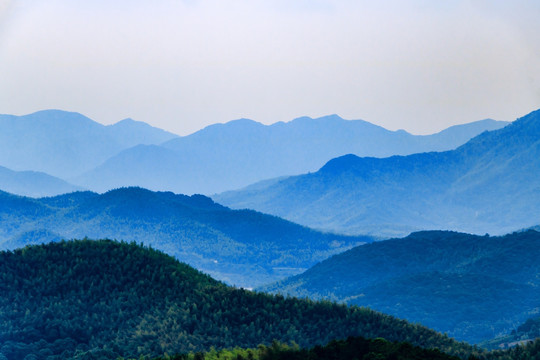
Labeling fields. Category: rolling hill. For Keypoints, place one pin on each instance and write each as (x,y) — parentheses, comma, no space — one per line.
(232,155)
(488,184)
(245,248)
(471,287)
(102,299)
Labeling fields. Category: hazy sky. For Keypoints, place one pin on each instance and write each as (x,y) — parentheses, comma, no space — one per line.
(420,65)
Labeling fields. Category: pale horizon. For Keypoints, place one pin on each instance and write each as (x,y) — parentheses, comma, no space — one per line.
(183,65)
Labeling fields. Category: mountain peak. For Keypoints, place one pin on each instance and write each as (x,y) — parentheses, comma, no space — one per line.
(127,121)
(341,163)
(243,122)
(325,118)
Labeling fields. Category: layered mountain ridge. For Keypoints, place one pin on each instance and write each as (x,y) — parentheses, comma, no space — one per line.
(64,144)
(92,156)
(486,185)
(241,152)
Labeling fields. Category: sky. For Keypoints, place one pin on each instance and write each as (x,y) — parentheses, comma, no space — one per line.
(418,65)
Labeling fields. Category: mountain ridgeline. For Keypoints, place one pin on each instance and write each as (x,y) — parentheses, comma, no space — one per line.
(33,183)
(64,144)
(488,185)
(233,155)
(93,299)
(74,148)
(471,287)
(245,248)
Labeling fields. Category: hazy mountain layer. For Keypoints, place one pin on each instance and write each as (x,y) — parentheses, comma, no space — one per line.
(102,299)
(471,287)
(65,144)
(488,184)
(245,248)
(33,183)
(232,155)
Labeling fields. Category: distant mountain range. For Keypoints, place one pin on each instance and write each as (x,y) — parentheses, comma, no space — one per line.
(220,157)
(109,300)
(489,184)
(244,248)
(65,144)
(471,287)
(33,183)
(233,155)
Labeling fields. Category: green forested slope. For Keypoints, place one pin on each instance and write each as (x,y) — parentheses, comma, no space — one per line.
(354,348)
(350,348)
(78,298)
(524,333)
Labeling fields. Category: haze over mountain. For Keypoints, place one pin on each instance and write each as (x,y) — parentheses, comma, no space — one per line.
(220,157)
(102,300)
(244,248)
(471,287)
(241,152)
(65,144)
(489,184)
(33,183)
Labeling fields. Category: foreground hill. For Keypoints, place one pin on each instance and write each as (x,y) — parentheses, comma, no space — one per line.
(32,183)
(245,248)
(65,144)
(471,287)
(101,299)
(488,184)
(233,155)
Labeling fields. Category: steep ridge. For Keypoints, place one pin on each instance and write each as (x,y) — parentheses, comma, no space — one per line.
(245,248)
(471,287)
(241,152)
(103,299)
(485,185)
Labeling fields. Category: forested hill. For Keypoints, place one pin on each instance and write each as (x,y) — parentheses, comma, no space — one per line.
(244,248)
(82,298)
(471,287)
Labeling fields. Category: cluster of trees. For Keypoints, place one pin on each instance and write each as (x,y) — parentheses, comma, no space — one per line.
(104,299)
(524,333)
(351,348)
(528,351)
